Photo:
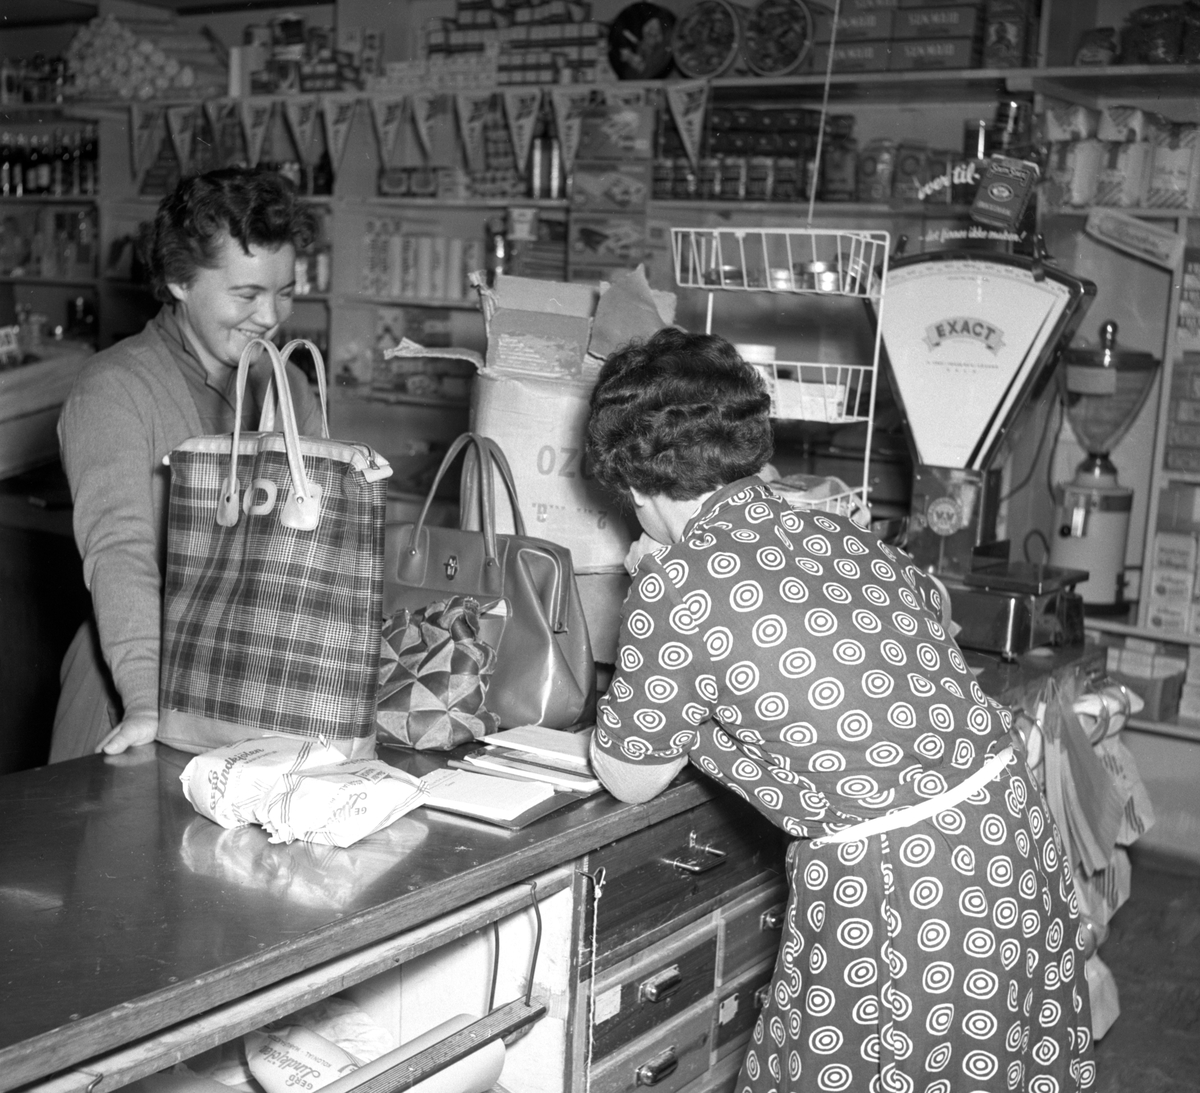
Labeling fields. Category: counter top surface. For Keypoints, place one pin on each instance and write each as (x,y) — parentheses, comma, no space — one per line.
(122,911)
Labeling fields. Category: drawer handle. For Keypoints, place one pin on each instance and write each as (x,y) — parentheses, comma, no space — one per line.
(663,1065)
(662,985)
(761,995)
(698,858)
(772,919)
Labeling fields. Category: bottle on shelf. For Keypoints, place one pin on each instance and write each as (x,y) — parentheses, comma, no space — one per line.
(60,165)
(89,161)
(33,166)
(6,158)
(17,169)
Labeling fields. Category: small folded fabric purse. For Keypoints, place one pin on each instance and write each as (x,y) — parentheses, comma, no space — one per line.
(433,677)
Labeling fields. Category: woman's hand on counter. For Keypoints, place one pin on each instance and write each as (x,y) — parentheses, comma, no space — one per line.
(134,730)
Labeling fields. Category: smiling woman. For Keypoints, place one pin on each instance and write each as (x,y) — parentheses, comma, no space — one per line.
(221,252)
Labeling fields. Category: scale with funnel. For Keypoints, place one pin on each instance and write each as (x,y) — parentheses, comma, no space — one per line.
(1103,391)
(970,338)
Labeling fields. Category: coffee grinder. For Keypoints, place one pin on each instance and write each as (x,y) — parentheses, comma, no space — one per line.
(1102,391)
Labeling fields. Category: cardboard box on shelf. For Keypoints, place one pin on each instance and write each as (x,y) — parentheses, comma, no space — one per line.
(959,21)
(852,57)
(1174,550)
(1070,121)
(606,187)
(873,24)
(1172,587)
(918,53)
(1123,123)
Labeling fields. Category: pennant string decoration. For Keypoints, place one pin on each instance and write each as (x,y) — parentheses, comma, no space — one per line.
(146,137)
(388,113)
(569,106)
(687,101)
(472,107)
(521,108)
(339,113)
(256,118)
(302,114)
(422,106)
(181,125)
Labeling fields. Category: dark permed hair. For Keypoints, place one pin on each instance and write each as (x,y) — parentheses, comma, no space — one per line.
(677,415)
(254,207)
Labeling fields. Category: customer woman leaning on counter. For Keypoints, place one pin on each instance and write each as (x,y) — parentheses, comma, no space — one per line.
(932,941)
(221,253)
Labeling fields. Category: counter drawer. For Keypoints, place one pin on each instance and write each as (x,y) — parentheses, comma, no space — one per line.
(676,871)
(666,1060)
(751,931)
(649,989)
(738,1005)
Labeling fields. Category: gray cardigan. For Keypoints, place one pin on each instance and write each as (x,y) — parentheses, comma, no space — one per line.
(130,407)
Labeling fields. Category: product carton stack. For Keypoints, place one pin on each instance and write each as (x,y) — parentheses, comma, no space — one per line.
(1121,156)
(1182,452)
(877,35)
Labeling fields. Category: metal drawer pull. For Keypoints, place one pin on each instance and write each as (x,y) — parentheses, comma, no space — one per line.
(761,995)
(662,985)
(663,1065)
(699,858)
(772,919)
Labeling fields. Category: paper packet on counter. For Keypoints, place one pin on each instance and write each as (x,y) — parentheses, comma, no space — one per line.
(229,784)
(338,804)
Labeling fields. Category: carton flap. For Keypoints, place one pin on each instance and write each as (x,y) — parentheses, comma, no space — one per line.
(538,342)
(409,348)
(554,297)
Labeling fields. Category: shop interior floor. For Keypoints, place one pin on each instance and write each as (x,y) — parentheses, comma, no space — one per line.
(1154,953)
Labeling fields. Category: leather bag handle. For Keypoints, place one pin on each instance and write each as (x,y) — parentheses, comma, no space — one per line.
(302,510)
(500,461)
(486,494)
(266,420)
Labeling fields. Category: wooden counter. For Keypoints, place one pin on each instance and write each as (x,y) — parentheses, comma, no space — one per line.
(123,912)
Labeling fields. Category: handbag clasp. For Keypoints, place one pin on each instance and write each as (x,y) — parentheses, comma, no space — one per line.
(451,566)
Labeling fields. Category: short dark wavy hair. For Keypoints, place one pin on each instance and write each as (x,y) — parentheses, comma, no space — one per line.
(677,415)
(253,206)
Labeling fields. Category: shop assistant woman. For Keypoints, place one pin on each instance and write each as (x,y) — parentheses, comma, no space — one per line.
(932,942)
(221,253)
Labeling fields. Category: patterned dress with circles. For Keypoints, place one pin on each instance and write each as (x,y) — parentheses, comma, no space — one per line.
(801,663)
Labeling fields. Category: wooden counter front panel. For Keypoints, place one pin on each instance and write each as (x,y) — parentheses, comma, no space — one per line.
(686,1042)
(660,878)
(751,931)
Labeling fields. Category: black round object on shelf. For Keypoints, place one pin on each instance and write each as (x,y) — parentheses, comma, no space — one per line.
(639,42)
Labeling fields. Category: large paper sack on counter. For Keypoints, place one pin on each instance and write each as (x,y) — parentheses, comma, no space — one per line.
(532,398)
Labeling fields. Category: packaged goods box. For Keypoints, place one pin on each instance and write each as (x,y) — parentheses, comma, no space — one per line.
(853,26)
(933,53)
(853,57)
(961,21)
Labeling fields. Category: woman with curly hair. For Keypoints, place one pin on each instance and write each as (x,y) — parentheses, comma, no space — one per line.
(932,940)
(221,253)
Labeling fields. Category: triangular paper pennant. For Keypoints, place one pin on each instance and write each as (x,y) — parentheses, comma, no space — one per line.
(422,105)
(339,113)
(521,107)
(569,106)
(181,124)
(388,112)
(688,100)
(256,118)
(145,137)
(472,109)
(302,113)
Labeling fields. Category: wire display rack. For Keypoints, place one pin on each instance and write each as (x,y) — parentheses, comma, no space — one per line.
(804,261)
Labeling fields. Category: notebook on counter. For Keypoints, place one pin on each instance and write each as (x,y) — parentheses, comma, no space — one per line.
(491,799)
(562,750)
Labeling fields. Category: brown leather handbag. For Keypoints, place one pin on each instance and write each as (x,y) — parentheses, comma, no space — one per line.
(531,613)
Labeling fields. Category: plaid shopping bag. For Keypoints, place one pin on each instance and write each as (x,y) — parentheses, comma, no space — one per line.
(273,590)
